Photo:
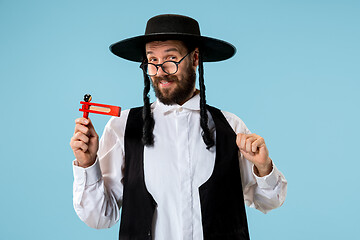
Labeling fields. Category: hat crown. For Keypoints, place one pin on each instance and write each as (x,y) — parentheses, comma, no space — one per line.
(172,23)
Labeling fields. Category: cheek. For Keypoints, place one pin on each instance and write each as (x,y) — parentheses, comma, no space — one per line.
(153,82)
(181,74)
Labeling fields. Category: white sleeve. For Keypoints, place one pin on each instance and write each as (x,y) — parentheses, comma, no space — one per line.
(263,193)
(98,189)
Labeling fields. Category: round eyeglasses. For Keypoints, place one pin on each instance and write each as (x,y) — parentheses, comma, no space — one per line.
(169,67)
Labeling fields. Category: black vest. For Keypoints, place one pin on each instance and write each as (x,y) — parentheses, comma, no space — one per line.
(221,196)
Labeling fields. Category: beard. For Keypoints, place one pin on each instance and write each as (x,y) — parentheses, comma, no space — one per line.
(182,90)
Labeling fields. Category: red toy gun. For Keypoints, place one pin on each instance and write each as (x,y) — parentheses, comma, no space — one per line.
(88,107)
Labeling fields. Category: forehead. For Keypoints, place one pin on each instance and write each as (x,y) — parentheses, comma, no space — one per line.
(164,46)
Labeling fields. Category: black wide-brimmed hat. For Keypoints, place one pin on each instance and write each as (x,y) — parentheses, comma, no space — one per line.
(173,27)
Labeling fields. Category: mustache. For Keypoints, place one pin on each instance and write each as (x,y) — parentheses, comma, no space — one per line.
(169,78)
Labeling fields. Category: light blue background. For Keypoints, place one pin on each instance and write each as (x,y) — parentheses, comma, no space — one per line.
(294,81)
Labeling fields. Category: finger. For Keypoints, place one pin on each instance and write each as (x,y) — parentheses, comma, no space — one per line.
(243,142)
(246,155)
(87,122)
(82,137)
(238,139)
(242,138)
(258,143)
(249,141)
(75,143)
(83,129)
(79,154)
(79,145)
(245,137)
(92,128)
(82,120)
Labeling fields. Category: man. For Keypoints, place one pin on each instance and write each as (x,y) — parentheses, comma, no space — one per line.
(174,167)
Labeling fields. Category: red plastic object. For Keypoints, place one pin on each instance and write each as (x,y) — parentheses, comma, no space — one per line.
(85,107)
(89,107)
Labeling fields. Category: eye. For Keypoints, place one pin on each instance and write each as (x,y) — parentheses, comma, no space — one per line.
(172,58)
(152,60)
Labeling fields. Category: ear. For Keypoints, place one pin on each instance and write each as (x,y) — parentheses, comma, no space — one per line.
(196,57)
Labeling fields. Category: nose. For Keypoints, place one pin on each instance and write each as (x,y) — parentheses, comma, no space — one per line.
(161,72)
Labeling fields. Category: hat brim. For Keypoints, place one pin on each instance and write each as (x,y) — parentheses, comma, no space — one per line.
(133,49)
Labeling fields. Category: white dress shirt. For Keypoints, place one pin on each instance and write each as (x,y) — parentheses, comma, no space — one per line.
(174,169)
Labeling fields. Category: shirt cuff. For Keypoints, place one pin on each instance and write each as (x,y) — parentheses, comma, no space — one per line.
(89,175)
(269,181)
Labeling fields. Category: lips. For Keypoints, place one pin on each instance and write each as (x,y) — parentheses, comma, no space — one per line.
(165,83)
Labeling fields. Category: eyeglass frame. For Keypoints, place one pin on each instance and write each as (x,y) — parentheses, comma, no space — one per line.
(142,66)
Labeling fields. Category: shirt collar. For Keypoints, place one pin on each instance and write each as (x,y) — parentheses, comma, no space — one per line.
(191,104)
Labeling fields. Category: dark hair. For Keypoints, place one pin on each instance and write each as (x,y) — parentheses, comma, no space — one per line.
(148,127)
(207,136)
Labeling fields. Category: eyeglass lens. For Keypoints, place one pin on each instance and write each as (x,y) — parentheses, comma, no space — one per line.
(167,67)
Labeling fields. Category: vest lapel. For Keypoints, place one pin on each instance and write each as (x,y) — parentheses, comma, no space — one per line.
(222,201)
(138,205)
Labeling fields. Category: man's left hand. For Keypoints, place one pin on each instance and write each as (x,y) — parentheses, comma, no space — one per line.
(254,149)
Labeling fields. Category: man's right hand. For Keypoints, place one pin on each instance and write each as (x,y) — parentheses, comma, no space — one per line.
(85,142)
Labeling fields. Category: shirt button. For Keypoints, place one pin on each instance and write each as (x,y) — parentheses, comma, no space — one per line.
(179,109)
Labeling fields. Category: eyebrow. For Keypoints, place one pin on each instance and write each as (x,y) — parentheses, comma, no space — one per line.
(167,50)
